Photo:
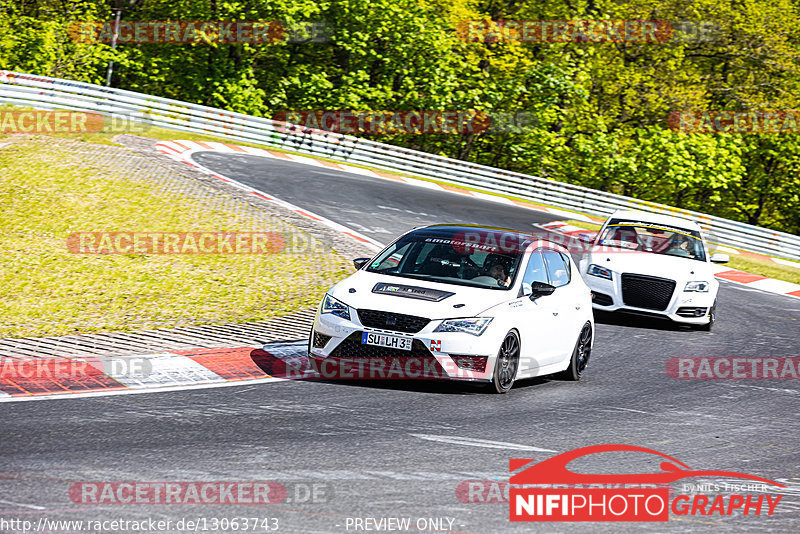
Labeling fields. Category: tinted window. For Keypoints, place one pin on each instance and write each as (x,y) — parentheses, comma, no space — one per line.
(535,272)
(654,238)
(480,258)
(566,259)
(557,268)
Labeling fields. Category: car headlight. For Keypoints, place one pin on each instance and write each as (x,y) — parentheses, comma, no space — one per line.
(474,325)
(697,285)
(600,272)
(335,307)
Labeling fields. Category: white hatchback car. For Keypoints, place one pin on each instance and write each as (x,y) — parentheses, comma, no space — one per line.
(459,302)
(653,265)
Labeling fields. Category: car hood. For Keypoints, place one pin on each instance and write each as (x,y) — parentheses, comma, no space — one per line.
(650,264)
(416,297)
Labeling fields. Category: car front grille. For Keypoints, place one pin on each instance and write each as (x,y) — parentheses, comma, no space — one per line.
(396,363)
(649,292)
(392,321)
(352,347)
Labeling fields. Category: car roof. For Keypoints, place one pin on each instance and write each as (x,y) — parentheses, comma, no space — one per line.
(655,218)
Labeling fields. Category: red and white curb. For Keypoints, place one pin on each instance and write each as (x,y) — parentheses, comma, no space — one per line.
(183,151)
(167,371)
(755,281)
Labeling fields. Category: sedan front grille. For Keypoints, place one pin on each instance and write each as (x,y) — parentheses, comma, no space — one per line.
(649,292)
(392,321)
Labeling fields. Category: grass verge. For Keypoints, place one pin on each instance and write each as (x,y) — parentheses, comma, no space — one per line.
(51,187)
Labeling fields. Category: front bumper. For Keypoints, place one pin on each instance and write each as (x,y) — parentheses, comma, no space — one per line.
(336,347)
(684,307)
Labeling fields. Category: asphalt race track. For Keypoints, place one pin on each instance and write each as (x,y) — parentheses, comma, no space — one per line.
(400,450)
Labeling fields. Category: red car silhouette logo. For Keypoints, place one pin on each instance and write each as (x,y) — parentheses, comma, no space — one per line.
(554,470)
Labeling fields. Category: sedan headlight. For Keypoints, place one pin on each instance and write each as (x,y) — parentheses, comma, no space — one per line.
(600,272)
(473,325)
(335,307)
(697,285)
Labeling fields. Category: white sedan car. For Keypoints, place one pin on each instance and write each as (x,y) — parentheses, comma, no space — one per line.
(458,302)
(653,265)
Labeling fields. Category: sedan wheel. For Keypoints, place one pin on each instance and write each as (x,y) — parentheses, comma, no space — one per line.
(505,368)
(580,355)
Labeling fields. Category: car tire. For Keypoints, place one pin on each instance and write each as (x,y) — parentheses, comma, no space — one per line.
(506,365)
(580,355)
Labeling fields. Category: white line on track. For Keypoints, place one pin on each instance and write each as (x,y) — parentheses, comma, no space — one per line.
(627,409)
(31,506)
(473,442)
(763,388)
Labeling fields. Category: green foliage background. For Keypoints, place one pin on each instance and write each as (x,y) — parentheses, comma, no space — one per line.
(601,109)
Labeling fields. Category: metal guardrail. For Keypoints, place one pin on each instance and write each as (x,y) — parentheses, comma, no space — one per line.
(53,93)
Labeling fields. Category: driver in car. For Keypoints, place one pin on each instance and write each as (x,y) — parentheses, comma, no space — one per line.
(681,246)
(499,272)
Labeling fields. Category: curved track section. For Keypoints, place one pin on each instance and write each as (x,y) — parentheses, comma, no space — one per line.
(380,209)
(401,450)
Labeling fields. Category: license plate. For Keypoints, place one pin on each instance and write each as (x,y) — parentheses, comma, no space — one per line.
(384,340)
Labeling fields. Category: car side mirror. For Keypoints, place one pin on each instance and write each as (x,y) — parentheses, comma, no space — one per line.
(540,289)
(719,257)
(358,263)
(526,290)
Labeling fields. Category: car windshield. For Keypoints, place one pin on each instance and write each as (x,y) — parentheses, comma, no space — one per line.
(654,238)
(479,258)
